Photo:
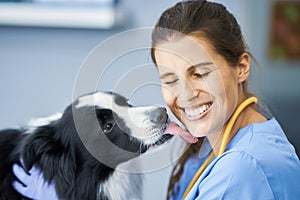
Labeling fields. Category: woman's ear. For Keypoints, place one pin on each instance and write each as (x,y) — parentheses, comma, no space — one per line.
(244,67)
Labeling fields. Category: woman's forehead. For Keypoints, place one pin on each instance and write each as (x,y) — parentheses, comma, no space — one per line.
(186,50)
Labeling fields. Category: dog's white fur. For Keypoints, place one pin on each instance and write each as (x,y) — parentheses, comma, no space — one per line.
(41,121)
(129,180)
(136,118)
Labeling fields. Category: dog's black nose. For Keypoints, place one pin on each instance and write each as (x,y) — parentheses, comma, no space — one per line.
(159,115)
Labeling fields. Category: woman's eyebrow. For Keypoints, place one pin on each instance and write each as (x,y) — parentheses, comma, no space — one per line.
(199,65)
(166,75)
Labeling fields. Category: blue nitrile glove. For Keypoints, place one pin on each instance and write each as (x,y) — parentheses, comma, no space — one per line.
(35,185)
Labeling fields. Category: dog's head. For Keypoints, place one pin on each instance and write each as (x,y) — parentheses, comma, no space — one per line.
(106,123)
(130,128)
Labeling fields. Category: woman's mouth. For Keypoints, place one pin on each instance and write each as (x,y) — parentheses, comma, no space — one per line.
(196,112)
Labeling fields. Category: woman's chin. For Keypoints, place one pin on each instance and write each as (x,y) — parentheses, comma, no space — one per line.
(196,131)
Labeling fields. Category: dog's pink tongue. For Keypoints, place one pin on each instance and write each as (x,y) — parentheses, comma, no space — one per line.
(174,129)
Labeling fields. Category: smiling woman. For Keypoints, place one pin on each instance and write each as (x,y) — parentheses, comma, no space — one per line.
(204,66)
(199,84)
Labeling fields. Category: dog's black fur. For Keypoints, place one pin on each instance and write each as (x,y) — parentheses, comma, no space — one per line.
(58,151)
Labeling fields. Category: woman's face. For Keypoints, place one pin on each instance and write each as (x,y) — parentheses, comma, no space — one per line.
(198,85)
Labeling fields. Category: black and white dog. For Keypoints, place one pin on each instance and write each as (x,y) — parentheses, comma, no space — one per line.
(80,148)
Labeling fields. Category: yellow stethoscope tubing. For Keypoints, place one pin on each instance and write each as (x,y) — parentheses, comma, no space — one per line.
(224,143)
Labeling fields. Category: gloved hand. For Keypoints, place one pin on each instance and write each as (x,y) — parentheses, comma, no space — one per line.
(35,185)
(174,129)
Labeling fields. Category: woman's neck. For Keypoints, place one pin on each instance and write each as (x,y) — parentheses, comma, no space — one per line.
(248,116)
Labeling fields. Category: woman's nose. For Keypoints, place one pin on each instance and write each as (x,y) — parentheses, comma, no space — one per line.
(187,92)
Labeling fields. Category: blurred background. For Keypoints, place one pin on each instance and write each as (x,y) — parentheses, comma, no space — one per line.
(43,45)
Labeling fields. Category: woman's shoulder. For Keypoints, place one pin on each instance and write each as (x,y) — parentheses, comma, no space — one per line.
(263,139)
(240,173)
(270,126)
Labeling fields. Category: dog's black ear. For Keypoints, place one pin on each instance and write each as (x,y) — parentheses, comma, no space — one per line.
(44,149)
(66,170)
(39,143)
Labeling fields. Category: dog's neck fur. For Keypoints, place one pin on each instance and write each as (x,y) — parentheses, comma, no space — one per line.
(129,186)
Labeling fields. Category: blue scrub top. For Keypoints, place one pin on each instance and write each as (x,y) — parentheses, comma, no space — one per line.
(259,163)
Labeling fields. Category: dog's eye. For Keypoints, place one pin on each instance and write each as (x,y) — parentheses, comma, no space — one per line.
(108,126)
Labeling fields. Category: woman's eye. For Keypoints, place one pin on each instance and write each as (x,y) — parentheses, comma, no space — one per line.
(171,82)
(108,126)
(198,75)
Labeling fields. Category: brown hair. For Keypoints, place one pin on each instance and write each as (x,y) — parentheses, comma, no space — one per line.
(205,20)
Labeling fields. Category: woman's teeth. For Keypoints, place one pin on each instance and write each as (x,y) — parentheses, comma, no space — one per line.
(194,112)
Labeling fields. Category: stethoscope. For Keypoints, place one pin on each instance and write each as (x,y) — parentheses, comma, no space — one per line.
(224,143)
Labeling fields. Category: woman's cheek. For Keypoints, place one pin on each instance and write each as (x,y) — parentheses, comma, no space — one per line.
(167,95)
(169,98)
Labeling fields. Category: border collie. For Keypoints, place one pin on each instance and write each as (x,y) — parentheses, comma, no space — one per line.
(80,148)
